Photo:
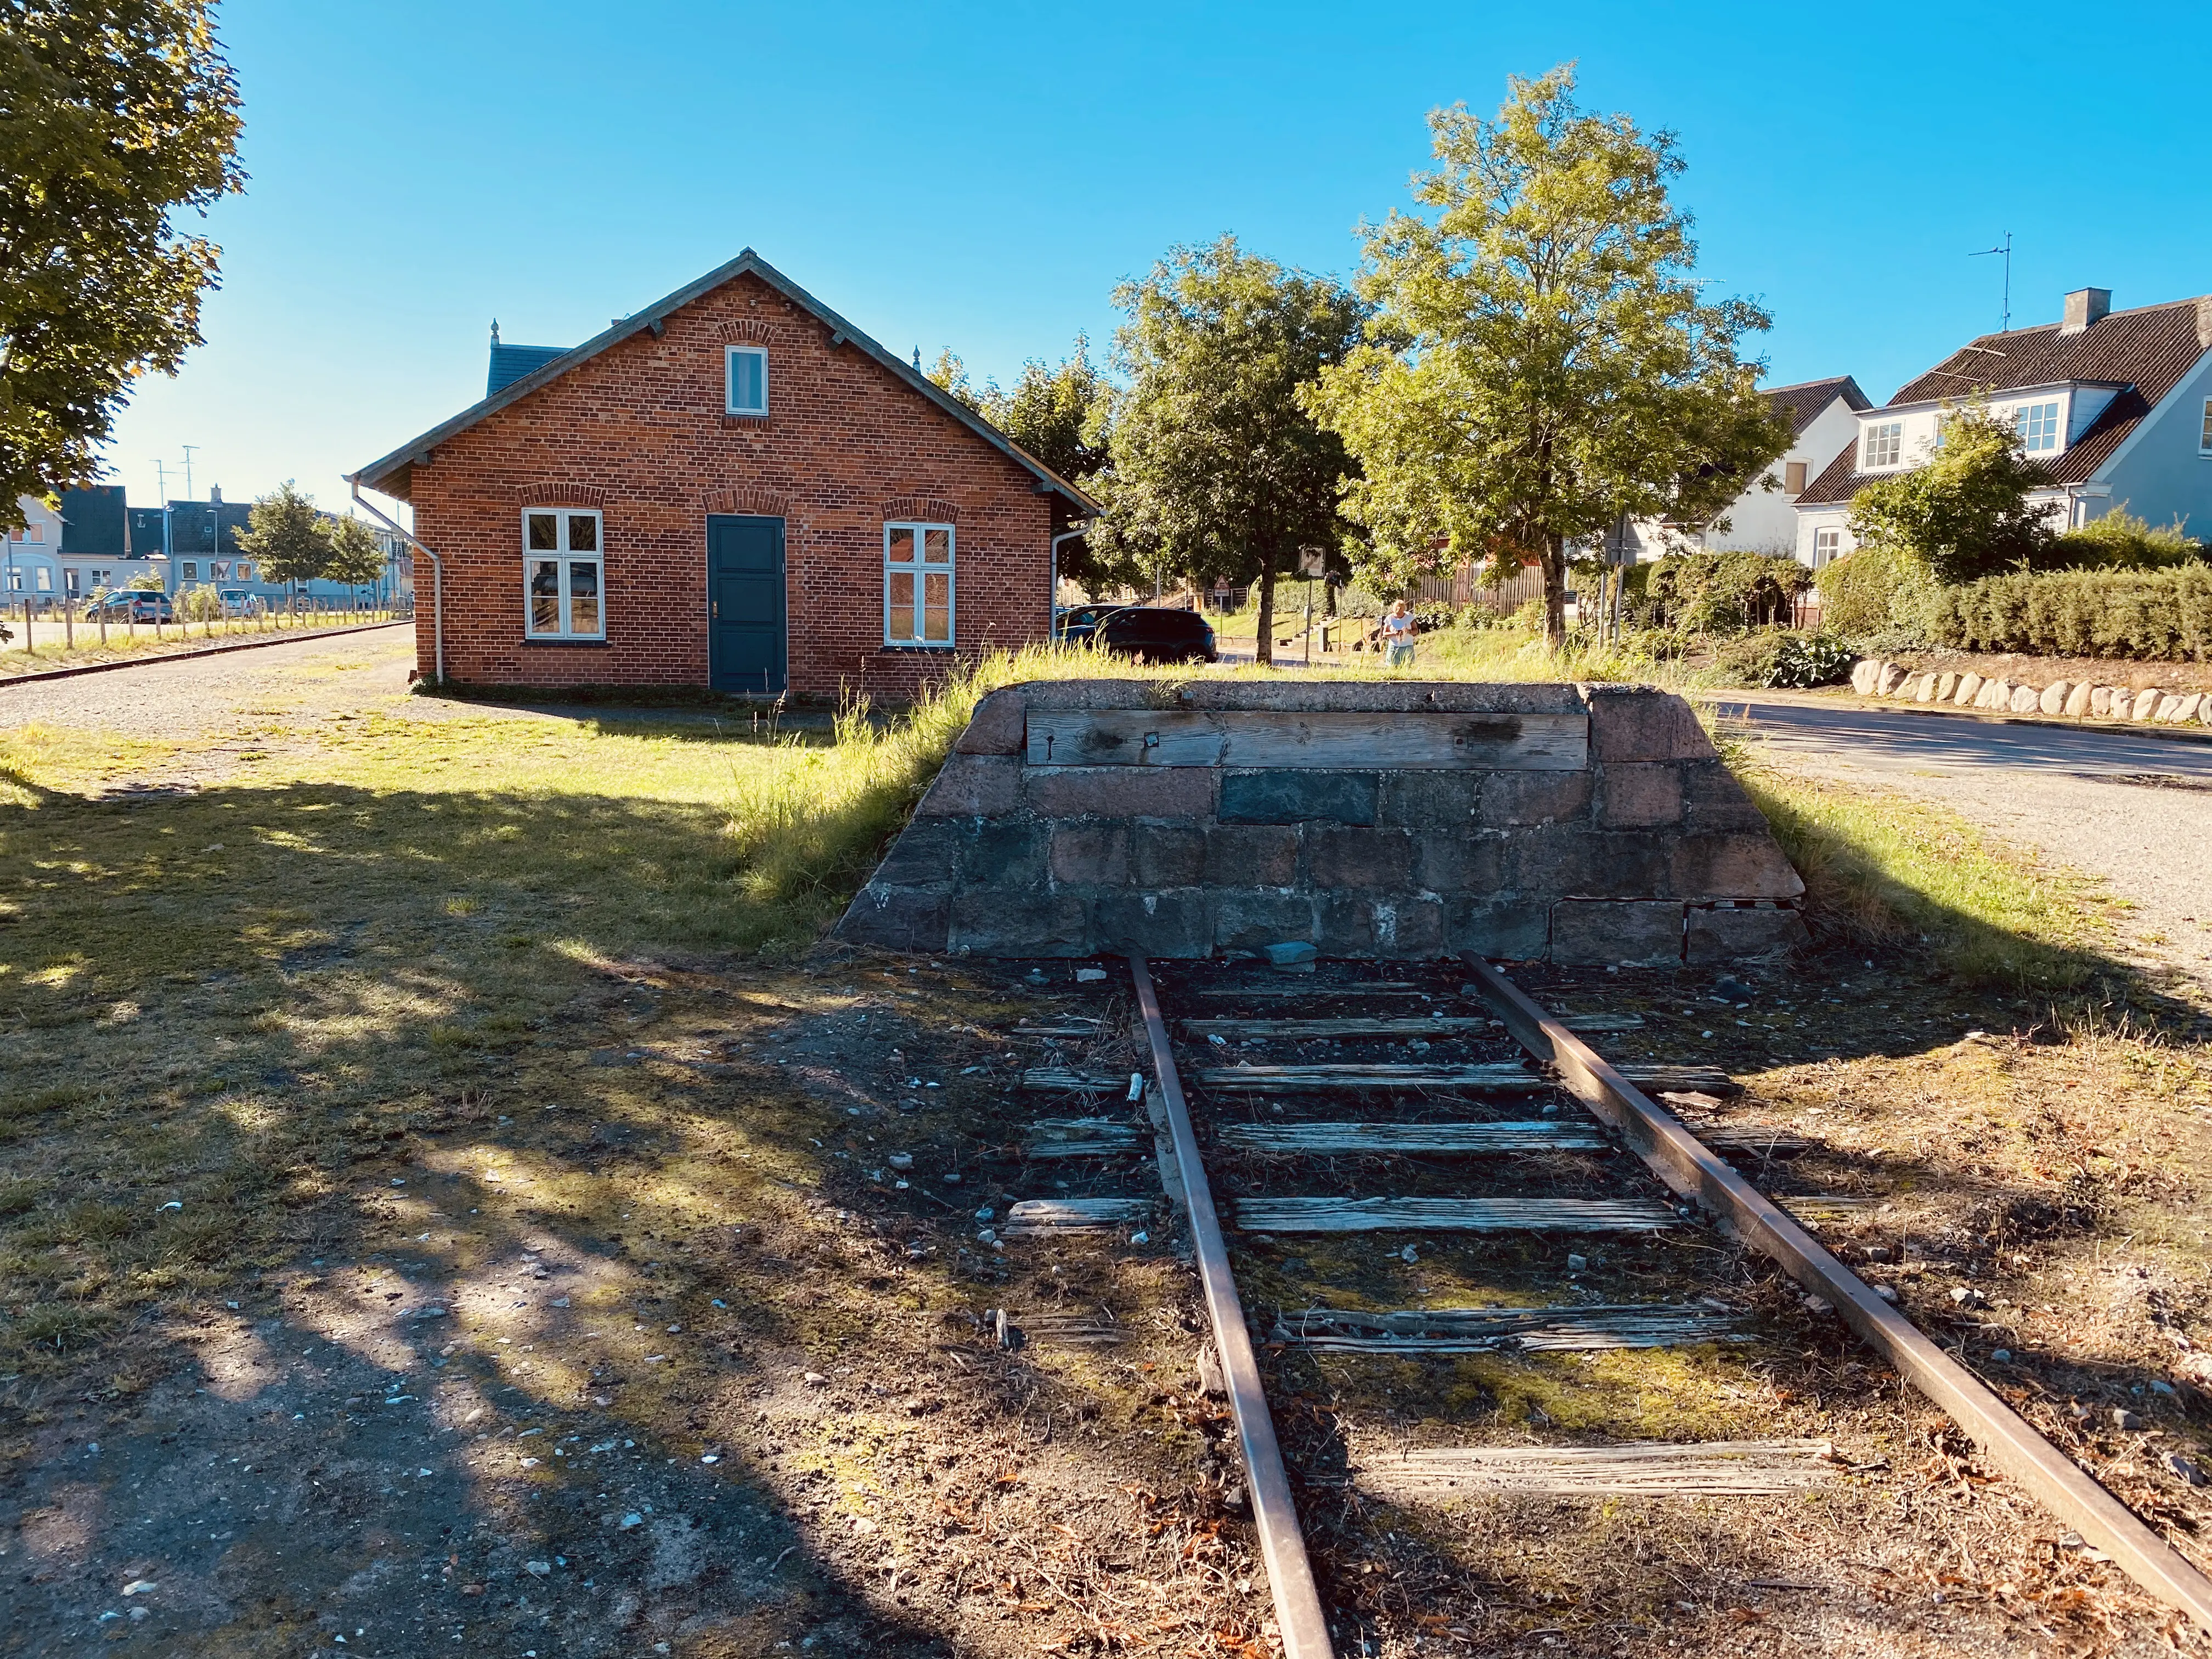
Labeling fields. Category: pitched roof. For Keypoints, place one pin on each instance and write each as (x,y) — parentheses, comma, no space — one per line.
(509,363)
(2146,351)
(393,474)
(1807,399)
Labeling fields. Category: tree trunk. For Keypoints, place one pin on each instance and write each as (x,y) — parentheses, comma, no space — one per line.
(1553,561)
(1263,645)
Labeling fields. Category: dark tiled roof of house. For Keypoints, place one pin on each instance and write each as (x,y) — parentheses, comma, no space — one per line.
(2147,351)
(1805,400)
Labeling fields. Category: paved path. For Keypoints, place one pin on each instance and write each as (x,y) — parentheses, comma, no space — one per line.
(2137,811)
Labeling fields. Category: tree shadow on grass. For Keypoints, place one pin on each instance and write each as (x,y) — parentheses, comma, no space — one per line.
(352,1135)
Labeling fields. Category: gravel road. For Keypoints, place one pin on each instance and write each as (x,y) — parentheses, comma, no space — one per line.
(2136,811)
(188,697)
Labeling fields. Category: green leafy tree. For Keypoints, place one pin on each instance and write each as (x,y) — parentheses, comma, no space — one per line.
(355,556)
(1061,414)
(1217,469)
(287,536)
(1542,363)
(114,115)
(1965,512)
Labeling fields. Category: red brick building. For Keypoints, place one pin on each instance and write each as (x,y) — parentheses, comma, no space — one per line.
(733,488)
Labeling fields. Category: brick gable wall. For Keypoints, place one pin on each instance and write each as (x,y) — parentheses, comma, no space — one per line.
(639,433)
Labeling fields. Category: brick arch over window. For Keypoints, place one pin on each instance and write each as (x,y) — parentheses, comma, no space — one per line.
(550,493)
(928,508)
(762,503)
(746,332)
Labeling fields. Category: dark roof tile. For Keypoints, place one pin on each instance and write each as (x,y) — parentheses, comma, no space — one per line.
(1807,398)
(2147,351)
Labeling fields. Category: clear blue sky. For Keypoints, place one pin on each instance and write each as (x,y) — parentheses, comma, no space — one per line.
(980,178)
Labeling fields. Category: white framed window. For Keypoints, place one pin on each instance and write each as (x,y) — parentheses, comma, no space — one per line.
(1793,477)
(746,376)
(245,570)
(563,567)
(192,570)
(1825,543)
(45,579)
(2204,443)
(1885,444)
(2038,426)
(68,579)
(918,585)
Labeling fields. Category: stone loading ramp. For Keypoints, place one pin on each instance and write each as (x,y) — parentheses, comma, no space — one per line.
(1573,824)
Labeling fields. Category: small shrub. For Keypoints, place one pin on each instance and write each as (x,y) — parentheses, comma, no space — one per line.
(2121,541)
(1877,589)
(1784,657)
(1720,593)
(2155,616)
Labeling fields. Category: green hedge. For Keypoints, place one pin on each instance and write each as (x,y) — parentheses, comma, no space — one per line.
(2162,615)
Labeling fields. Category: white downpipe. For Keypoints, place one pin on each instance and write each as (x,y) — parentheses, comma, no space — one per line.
(1052,594)
(437,578)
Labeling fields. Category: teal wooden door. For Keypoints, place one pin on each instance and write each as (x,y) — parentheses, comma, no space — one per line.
(744,594)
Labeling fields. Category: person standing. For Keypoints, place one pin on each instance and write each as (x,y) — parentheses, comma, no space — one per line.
(1397,628)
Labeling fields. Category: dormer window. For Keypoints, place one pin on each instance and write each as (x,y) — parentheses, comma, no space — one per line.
(747,381)
(1885,445)
(2038,426)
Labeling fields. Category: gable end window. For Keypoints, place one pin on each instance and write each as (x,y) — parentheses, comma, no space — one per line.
(918,585)
(1885,444)
(2204,443)
(563,562)
(2038,426)
(747,380)
(1793,477)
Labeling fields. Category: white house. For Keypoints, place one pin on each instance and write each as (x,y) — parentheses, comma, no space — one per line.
(1823,417)
(2116,405)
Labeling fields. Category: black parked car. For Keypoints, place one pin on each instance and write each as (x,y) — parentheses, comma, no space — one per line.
(1148,632)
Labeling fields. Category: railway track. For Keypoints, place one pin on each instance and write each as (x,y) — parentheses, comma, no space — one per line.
(1496,1145)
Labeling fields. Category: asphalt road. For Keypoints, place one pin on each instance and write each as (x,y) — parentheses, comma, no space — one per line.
(2137,811)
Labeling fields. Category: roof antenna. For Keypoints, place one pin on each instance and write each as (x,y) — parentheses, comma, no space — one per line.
(495,331)
(2005,248)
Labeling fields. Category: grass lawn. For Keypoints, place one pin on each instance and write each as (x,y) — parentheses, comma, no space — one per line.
(432,1148)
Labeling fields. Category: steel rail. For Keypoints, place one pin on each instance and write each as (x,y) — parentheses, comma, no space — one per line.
(1685,1165)
(1304,1627)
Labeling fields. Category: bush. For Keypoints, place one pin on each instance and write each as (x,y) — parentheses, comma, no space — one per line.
(1784,657)
(2161,615)
(1875,590)
(2121,541)
(1722,593)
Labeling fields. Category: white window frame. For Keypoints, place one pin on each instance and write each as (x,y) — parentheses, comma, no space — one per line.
(918,567)
(2026,413)
(2204,440)
(1827,544)
(564,557)
(1891,436)
(730,356)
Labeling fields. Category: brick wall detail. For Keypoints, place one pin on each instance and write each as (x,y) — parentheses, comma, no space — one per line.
(1652,853)
(639,433)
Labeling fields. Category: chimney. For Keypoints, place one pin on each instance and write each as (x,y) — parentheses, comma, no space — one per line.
(2085,305)
(2204,322)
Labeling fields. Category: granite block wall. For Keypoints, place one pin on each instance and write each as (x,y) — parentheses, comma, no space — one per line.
(1574,823)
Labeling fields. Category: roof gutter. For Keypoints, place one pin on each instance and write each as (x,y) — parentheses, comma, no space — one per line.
(437,574)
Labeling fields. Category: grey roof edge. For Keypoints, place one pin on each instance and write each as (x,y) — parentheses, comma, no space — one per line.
(1845,386)
(378,471)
